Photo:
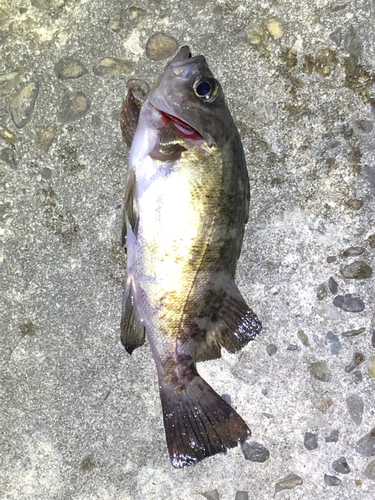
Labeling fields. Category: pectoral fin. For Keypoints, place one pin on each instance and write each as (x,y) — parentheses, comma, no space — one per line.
(132,328)
(131,108)
(130,213)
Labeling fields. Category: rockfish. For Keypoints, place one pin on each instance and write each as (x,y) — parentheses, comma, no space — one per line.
(186,206)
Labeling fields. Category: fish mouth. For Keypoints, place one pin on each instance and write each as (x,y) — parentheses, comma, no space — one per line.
(183,128)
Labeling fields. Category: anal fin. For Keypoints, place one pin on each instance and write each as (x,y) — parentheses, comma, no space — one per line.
(232,325)
(198,422)
(132,328)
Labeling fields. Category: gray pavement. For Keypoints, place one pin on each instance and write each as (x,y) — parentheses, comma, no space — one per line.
(80,418)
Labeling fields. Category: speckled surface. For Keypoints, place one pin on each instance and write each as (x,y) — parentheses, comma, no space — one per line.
(81,419)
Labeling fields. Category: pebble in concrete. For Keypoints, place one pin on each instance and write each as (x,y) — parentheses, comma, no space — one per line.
(357,359)
(69,68)
(255,452)
(352,252)
(8,156)
(73,108)
(242,495)
(321,293)
(335,36)
(271,349)
(366,445)
(46,137)
(310,441)
(331,480)
(320,371)
(288,482)
(335,346)
(112,66)
(333,437)
(371,366)
(353,333)
(349,303)
(333,286)
(357,377)
(341,466)
(357,270)
(211,495)
(329,312)
(139,87)
(8,136)
(369,472)
(160,46)
(22,105)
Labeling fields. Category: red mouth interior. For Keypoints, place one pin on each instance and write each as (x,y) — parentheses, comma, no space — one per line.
(182,128)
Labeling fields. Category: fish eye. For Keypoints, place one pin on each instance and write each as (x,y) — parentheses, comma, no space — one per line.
(206,89)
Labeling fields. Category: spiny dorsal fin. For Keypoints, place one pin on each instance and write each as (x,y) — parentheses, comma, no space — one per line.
(131,108)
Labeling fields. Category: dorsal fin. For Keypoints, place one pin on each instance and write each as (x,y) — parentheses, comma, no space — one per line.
(131,108)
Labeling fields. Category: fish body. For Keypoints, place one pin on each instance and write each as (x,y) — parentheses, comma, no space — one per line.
(186,205)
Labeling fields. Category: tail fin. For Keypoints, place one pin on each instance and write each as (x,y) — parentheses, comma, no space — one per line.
(199,423)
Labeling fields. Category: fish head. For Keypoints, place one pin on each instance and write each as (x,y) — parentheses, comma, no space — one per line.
(188,95)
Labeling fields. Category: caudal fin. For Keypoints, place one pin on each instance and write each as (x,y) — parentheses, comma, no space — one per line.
(199,423)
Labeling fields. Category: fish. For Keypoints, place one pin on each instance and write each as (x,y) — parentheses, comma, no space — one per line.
(185,209)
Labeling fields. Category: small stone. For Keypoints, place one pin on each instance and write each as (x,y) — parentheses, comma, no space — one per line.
(371,240)
(355,407)
(331,480)
(335,342)
(112,66)
(357,270)
(353,333)
(69,68)
(341,466)
(364,126)
(329,312)
(335,36)
(317,421)
(22,105)
(369,472)
(303,338)
(242,495)
(255,452)
(27,329)
(275,28)
(46,173)
(8,156)
(8,136)
(357,377)
(267,415)
(371,366)
(211,495)
(88,463)
(325,60)
(337,6)
(139,87)
(227,398)
(256,35)
(325,404)
(354,204)
(4,210)
(292,347)
(333,437)
(116,24)
(3,17)
(271,349)
(290,58)
(288,482)
(160,46)
(349,303)
(46,137)
(96,121)
(73,107)
(366,445)
(264,392)
(357,359)
(310,441)
(320,371)
(321,292)
(333,286)
(331,258)
(136,13)
(352,252)
(8,81)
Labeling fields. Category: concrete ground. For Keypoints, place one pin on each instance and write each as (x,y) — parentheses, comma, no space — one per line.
(81,419)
